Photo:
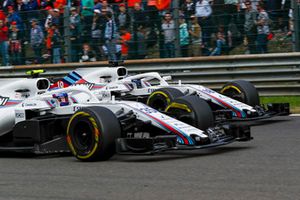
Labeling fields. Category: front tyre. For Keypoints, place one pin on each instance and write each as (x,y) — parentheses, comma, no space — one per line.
(161,98)
(242,91)
(91,133)
(193,111)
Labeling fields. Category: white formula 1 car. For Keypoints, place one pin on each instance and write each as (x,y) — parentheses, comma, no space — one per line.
(238,100)
(78,120)
(14,91)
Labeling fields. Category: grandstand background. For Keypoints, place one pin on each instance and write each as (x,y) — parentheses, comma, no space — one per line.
(57,31)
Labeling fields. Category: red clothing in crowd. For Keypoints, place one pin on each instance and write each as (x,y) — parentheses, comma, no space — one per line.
(50,33)
(2,15)
(125,38)
(59,4)
(132,2)
(160,4)
(3,33)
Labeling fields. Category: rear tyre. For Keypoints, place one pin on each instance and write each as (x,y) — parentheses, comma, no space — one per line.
(91,133)
(161,98)
(242,91)
(192,110)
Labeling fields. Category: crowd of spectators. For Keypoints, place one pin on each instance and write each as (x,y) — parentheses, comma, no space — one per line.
(134,29)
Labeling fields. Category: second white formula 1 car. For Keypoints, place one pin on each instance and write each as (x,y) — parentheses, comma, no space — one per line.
(237,101)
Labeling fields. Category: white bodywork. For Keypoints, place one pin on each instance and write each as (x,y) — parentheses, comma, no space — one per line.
(128,85)
(46,104)
(12,93)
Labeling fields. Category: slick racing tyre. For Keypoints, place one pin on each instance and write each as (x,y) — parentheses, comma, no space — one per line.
(192,110)
(161,98)
(242,91)
(91,133)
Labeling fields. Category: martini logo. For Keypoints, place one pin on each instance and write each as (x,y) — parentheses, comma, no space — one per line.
(88,85)
(3,100)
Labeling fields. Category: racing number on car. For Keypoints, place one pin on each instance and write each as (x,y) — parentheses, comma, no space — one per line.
(60,84)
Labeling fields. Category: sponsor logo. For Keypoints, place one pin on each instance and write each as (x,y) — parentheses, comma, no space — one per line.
(41,92)
(28,104)
(112,87)
(207,91)
(148,110)
(20,115)
(3,100)
(88,85)
(150,91)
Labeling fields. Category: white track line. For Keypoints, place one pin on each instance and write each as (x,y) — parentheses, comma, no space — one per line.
(295,115)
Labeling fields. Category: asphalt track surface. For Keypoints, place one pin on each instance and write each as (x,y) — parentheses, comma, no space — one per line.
(268,167)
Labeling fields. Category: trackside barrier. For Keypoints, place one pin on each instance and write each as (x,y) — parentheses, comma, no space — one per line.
(272,74)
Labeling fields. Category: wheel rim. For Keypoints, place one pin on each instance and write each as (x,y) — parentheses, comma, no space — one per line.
(83,137)
(160,103)
(184,115)
(234,94)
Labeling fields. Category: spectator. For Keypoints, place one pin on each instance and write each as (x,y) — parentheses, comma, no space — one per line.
(153,14)
(87,54)
(110,37)
(125,38)
(32,7)
(250,27)
(218,12)
(131,3)
(123,17)
(139,17)
(87,13)
(75,30)
(233,23)
(183,37)
(56,45)
(106,6)
(4,43)
(284,16)
(21,13)
(97,5)
(168,28)
(196,37)
(204,12)
(52,18)
(36,40)
(96,33)
(273,8)
(230,13)
(49,37)
(14,17)
(220,43)
(262,29)
(5,3)
(15,44)
(141,43)
(20,8)
(291,23)
(188,8)
(2,16)
(47,3)
(60,4)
